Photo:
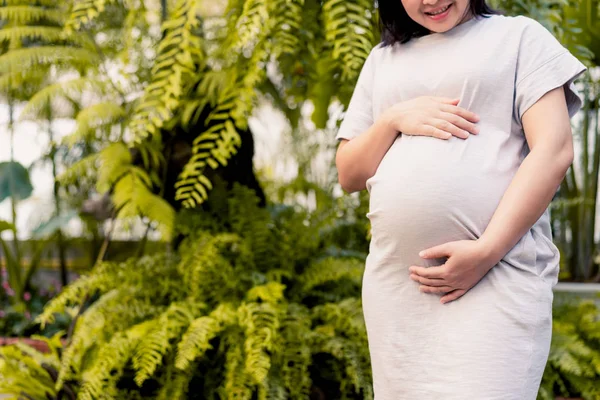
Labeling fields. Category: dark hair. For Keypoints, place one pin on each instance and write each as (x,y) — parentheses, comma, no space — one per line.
(396,26)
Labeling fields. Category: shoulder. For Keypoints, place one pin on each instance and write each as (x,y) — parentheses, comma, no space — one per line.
(530,27)
(377,50)
(374,55)
(517,24)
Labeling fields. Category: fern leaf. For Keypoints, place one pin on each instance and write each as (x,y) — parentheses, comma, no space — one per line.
(254,17)
(261,322)
(331,270)
(115,161)
(196,340)
(25,14)
(132,197)
(155,344)
(84,12)
(286,36)
(81,169)
(296,331)
(211,148)
(237,384)
(21,374)
(179,54)
(92,118)
(348,26)
(29,57)
(101,378)
(206,272)
(272,292)
(64,89)
(176,387)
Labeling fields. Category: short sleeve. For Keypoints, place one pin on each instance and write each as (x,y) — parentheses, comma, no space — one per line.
(544,64)
(358,117)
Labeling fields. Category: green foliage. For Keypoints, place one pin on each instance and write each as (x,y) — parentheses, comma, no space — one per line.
(19,13)
(25,370)
(219,319)
(14,181)
(205,75)
(573,367)
(179,56)
(348,25)
(85,11)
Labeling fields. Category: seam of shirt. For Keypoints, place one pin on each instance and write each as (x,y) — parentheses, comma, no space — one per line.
(543,64)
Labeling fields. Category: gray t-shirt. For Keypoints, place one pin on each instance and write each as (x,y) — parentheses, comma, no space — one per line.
(427,191)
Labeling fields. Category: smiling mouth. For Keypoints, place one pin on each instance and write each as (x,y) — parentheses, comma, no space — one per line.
(440,11)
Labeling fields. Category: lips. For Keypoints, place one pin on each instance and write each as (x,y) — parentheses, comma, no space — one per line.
(438,10)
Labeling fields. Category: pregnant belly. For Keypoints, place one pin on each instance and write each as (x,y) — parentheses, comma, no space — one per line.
(427,191)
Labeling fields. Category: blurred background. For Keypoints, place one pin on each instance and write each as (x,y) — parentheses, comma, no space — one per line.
(170,217)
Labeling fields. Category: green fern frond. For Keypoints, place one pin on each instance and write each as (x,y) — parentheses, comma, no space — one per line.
(72,294)
(297,358)
(179,55)
(115,161)
(64,89)
(21,59)
(261,323)
(155,344)
(48,3)
(286,38)
(84,12)
(90,119)
(205,269)
(101,320)
(100,380)
(88,329)
(196,340)
(331,270)
(271,292)
(215,146)
(99,280)
(12,80)
(47,34)
(25,14)
(345,317)
(84,168)
(19,33)
(132,197)
(323,89)
(211,148)
(254,16)
(21,374)
(348,26)
(356,371)
(176,387)
(237,384)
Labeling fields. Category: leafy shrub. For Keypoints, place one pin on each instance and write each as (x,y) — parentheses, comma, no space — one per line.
(573,367)
(249,306)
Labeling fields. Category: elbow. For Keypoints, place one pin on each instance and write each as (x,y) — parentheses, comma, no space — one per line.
(348,185)
(566,155)
(349,176)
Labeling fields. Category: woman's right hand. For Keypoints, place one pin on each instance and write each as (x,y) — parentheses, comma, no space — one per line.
(438,117)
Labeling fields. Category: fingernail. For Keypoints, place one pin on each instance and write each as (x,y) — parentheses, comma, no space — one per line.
(421,253)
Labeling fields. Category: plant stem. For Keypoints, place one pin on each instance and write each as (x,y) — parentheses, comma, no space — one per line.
(16,280)
(57,203)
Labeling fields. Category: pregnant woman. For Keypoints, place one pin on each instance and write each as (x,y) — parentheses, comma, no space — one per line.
(459,128)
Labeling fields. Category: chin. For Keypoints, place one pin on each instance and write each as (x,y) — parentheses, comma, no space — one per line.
(440,28)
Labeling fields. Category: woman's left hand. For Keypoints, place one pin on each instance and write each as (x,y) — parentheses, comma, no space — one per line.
(468,261)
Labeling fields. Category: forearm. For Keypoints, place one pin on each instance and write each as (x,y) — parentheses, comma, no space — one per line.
(526,199)
(358,159)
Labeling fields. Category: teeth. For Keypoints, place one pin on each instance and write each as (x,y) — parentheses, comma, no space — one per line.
(439,12)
